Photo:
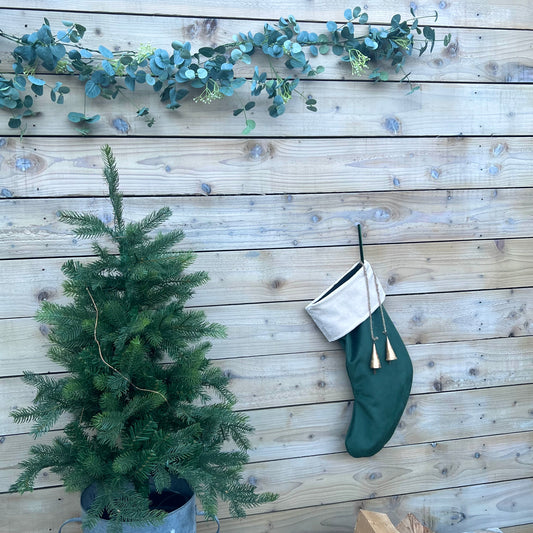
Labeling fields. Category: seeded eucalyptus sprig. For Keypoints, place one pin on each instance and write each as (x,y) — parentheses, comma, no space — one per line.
(210,72)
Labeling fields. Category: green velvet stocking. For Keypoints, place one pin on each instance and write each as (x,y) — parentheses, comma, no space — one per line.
(380,395)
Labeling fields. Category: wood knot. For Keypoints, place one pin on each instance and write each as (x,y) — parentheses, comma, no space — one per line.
(121,125)
(43,296)
(392,125)
(209,26)
(277,283)
(452,49)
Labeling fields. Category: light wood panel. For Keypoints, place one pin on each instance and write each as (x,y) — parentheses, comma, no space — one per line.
(262,381)
(285,327)
(457,509)
(441,181)
(496,14)
(453,510)
(291,274)
(42,167)
(363,109)
(327,479)
(319,428)
(470,58)
(30,228)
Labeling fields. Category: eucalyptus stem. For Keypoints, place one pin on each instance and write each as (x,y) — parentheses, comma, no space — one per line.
(209,71)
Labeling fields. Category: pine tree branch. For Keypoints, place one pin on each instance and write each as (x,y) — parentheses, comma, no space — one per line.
(106,363)
(112,178)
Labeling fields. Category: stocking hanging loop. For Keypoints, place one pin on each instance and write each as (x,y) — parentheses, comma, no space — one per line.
(360,236)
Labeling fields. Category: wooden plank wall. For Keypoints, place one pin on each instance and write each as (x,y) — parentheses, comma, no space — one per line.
(441,181)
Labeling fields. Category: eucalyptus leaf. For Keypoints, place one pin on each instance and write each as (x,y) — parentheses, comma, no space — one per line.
(106,65)
(14,123)
(250,125)
(36,81)
(92,90)
(105,52)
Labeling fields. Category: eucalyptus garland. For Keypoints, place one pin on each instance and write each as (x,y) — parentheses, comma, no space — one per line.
(208,73)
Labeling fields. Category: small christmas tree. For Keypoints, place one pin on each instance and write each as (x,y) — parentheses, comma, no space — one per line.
(139,386)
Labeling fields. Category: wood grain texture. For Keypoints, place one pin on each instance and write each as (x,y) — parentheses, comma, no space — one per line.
(455,510)
(285,327)
(292,274)
(496,14)
(441,181)
(470,109)
(372,522)
(411,524)
(333,478)
(320,428)
(30,228)
(509,58)
(303,378)
(325,479)
(40,167)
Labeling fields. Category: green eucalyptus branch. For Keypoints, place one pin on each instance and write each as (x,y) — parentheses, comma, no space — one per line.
(210,70)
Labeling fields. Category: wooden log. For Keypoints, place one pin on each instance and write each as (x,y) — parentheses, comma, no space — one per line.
(372,522)
(436,109)
(468,59)
(30,228)
(411,524)
(238,277)
(496,14)
(40,167)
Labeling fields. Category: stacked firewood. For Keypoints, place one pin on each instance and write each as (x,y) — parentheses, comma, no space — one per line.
(371,522)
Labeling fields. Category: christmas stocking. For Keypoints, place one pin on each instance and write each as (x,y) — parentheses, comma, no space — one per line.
(377,361)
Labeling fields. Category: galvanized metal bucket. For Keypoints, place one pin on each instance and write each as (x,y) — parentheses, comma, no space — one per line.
(180,520)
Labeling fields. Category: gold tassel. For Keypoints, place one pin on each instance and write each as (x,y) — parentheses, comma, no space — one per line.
(374,360)
(391,356)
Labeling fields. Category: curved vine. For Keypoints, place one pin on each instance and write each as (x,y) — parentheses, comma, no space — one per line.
(208,72)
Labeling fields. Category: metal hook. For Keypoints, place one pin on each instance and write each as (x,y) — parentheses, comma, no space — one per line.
(361,254)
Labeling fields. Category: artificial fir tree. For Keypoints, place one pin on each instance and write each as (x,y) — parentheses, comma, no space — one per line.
(144,402)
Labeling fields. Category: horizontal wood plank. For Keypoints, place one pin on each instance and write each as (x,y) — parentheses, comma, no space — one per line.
(39,167)
(320,428)
(457,509)
(496,14)
(452,510)
(324,479)
(290,379)
(30,227)
(468,59)
(285,327)
(291,274)
(468,109)
(505,503)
